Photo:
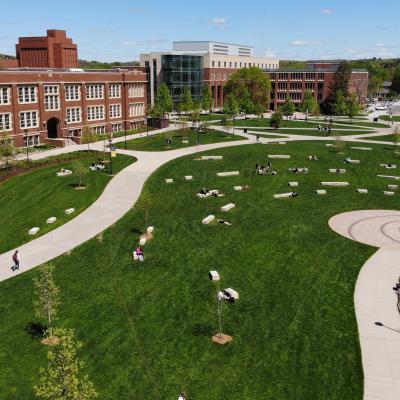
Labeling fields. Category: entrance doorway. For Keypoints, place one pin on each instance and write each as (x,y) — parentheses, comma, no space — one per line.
(53,128)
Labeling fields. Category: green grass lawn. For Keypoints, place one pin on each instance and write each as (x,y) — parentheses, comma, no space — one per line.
(388,138)
(158,142)
(265,122)
(396,118)
(362,123)
(27,200)
(311,132)
(146,326)
(206,117)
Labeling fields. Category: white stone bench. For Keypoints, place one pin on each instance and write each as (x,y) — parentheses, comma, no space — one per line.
(203,195)
(51,220)
(142,241)
(362,191)
(329,145)
(338,184)
(211,157)
(280,156)
(188,177)
(388,167)
(227,207)
(283,195)
(34,230)
(320,191)
(169,180)
(69,210)
(231,173)
(150,229)
(214,191)
(185,141)
(389,177)
(393,187)
(214,276)
(281,143)
(208,219)
(293,184)
(337,171)
(354,161)
(232,293)
(387,193)
(238,188)
(361,148)
(299,170)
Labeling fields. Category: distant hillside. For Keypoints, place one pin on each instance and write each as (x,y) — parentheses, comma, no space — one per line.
(6,57)
(103,65)
(292,64)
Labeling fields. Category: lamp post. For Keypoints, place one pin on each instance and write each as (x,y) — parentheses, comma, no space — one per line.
(125,133)
(147,125)
(27,145)
(110,145)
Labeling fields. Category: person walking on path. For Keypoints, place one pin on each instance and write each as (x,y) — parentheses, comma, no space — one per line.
(15,258)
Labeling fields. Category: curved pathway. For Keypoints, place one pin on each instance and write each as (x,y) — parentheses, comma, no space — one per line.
(374,299)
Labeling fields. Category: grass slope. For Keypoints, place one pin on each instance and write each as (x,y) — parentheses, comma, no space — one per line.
(28,200)
(158,142)
(146,326)
(309,132)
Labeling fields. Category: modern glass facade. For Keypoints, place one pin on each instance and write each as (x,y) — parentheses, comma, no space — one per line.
(181,71)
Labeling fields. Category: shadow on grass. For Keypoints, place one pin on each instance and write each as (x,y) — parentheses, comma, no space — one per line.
(35,330)
(201,329)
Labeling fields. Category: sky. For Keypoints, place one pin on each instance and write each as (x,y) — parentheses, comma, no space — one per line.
(120,30)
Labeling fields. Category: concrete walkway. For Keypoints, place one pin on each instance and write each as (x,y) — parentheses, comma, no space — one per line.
(374,299)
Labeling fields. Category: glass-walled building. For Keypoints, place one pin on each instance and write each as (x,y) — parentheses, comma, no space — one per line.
(180,71)
(177,70)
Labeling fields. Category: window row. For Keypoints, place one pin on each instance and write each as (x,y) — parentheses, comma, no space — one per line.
(136,109)
(135,91)
(235,64)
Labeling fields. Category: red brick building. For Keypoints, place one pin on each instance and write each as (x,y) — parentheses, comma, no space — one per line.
(55,50)
(52,105)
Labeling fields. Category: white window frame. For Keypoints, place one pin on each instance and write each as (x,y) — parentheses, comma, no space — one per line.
(95,91)
(115,110)
(27,94)
(72,92)
(5,95)
(6,122)
(114,91)
(31,114)
(116,128)
(95,113)
(74,115)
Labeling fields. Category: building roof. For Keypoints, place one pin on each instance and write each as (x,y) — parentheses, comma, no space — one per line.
(211,41)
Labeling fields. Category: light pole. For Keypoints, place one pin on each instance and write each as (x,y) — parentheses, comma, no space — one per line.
(147,125)
(110,145)
(125,133)
(27,145)
(199,130)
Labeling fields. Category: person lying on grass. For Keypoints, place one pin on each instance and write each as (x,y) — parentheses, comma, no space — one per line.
(222,221)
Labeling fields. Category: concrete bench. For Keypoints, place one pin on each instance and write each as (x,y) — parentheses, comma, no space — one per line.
(279,156)
(208,219)
(214,276)
(337,171)
(362,191)
(293,184)
(211,157)
(361,148)
(387,193)
(227,207)
(150,229)
(281,143)
(64,173)
(34,230)
(338,184)
(142,241)
(51,220)
(388,166)
(320,191)
(329,145)
(188,177)
(389,177)
(283,195)
(231,173)
(299,170)
(232,293)
(353,161)
(169,180)
(69,211)
(393,187)
(185,141)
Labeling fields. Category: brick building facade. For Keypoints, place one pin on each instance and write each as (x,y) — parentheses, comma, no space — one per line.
(51,105)
(55,50)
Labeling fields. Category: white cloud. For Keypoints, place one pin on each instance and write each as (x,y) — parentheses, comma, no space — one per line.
(299,42)
(218,21)
(327,11)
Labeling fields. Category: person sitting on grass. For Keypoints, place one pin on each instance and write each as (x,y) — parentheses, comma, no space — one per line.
(204,191)
(294,194)
(347,160)
(222,221)
(139,253)
(338,170)
(273,173)
(182,396)
(313,158)
(245,187)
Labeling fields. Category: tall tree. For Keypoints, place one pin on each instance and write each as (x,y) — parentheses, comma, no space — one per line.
(395,87)
(250,83)
(46,292)
(396,136)
(353,106)
(163,103)
(206,99)
(63,379)
(288,108)
(246,104)
(79,170)
(87,136)
(309,103)
(340,106)
(276,119)
(186,102)
(231,105)
(340,83)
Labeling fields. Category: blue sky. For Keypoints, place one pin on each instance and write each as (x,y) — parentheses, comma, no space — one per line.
(120,30)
